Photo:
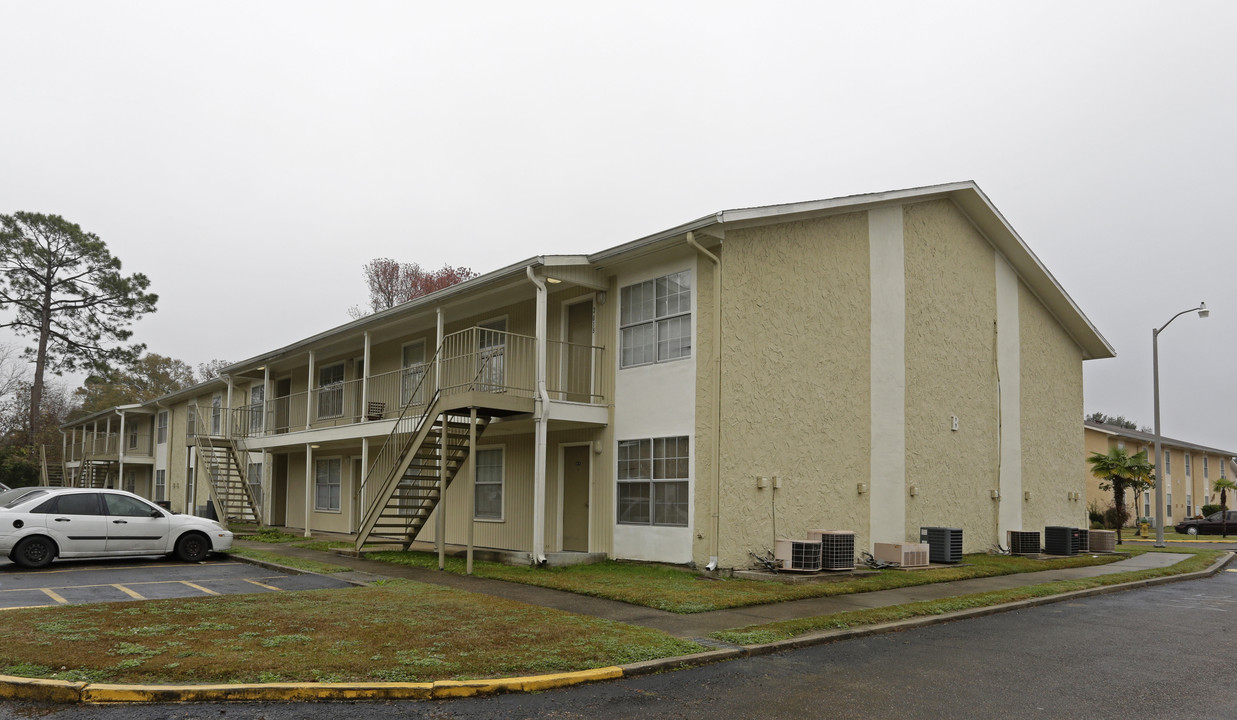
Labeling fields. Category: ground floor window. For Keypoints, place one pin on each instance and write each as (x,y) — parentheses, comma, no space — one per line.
(489,488)
(327,484)
(161,482)
(652,475)
(1168,509)
(131,481)
(1189,506)
(255,481)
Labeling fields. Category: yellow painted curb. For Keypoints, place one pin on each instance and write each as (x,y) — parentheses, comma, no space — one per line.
(532,683)
(58,691)
(265,692)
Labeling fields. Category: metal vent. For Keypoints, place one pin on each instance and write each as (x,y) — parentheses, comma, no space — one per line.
(944,544)
(1060,540)
(798,555)
(904,554)
(1022,542)
(837,548)
(1102,540)
(1084,541)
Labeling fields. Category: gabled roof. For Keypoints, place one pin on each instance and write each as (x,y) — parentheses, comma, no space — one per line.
(1149,438)
(965,195)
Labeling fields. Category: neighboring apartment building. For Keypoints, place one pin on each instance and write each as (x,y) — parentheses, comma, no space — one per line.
(886,361)
(1189,469)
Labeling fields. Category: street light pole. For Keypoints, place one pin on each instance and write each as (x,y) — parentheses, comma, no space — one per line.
(1159,453)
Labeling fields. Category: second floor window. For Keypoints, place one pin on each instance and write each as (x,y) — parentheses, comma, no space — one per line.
(655,318)
(133,437)
(216,415)
(163,428)
(257,406)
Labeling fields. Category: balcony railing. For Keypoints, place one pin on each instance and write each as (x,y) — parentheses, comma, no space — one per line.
(476,359)
(109,445)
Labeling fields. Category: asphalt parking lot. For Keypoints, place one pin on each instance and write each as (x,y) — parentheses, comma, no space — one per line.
(72,582)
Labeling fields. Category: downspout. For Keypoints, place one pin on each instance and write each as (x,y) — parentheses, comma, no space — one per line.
(540,418)
(716,398)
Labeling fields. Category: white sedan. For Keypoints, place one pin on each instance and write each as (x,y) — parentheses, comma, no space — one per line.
(39,524)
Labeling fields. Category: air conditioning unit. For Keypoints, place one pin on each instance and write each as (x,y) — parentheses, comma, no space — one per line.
(837,548)
(1084,541)
(903,554)
(1022,542)
(1102,540)
(1061,540)
(944,544)
(798,555)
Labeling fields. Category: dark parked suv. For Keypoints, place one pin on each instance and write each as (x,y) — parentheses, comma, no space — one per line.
(1209,525)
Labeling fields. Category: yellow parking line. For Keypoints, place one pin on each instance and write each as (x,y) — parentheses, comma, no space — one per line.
(263,585)
(198,587)
(129,592)
(48,592)
(23,607)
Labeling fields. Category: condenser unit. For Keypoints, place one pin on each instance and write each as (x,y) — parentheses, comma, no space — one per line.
(798,555)
(944,544)
(1022,542)
(1102,540)
(1084,541)
(1060,540)
(903,554)
(837,548)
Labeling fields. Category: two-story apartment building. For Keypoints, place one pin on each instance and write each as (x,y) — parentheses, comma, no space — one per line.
(871,363)
(1190,472)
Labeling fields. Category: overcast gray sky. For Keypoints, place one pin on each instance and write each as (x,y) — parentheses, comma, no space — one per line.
(251,156)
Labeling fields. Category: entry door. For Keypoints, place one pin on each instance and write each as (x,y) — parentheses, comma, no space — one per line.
(283,388)
(579,360)
(492,356)
(358,476)
(576,461)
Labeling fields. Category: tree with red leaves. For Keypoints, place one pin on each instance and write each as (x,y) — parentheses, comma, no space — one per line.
(391,282)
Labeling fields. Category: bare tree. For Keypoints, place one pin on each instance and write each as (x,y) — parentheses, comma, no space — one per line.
(212,369)
(391,282)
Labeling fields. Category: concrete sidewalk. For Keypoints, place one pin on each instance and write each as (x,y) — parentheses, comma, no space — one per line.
(699,625)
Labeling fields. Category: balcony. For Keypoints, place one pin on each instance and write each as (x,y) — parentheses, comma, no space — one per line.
(500,365)
(107,446)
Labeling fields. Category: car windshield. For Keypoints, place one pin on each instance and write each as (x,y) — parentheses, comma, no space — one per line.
(10,498)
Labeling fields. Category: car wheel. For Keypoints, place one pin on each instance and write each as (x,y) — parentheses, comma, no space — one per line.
(192,547)
(34,552)
(1192,530)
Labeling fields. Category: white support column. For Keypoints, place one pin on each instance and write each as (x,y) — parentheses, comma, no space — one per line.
(365,382)
(540,419)
(225,425)
(440,522)
(887,495)
(266,398)
(121,444)
(472,485)
(309,391)
(361,497)
(309,486)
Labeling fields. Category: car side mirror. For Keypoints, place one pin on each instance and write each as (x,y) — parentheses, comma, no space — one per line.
(156,513)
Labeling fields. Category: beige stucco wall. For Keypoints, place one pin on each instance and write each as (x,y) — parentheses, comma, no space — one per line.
(951,318)
(1052,434)
(795,375)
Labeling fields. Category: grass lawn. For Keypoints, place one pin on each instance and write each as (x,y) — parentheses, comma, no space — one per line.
(312,566)
(684,591)
(396,631)
(770,632)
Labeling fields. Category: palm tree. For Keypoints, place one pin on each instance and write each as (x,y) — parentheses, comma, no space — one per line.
(1224,485)
(1119,471)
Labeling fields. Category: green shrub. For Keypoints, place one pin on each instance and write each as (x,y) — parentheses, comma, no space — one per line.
(1209,509)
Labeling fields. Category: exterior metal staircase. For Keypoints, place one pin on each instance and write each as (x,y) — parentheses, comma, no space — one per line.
(53,472)
(219,465)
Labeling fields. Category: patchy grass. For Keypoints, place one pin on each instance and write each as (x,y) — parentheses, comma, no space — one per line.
(771,632)
(322,545)
(288,561)
(398,631)
(264,534)
(684,591)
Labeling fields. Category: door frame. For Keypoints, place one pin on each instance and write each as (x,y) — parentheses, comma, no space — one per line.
(562,484)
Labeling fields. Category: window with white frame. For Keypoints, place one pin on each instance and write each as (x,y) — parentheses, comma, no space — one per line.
(1204,467)
(257,407)
(652,481)
(1168,462)
(255,481)
(162,423)
(161,484)
(1187,464)
(1189,505)
(131,481)
(1146,504)
(1168,511)
(327,483)
(216,415)
(1120,444)
(191,421)
(133,436)
(489,487)
(331,391)
(412,364)
(655,318)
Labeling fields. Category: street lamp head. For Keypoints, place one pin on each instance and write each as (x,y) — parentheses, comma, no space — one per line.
(1202,310)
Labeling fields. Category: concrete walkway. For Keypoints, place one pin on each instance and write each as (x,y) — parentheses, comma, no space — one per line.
(699,625)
